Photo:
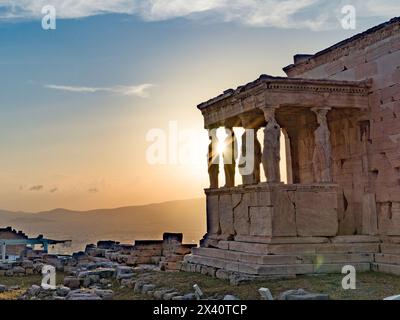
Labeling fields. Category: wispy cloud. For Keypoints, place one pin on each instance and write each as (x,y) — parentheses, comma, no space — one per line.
(36,188)
(141,91)
(313,14)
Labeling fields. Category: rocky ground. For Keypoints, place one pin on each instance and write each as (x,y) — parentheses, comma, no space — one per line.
(179,285)
(156,270)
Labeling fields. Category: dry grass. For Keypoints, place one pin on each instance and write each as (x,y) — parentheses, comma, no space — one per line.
(370,286)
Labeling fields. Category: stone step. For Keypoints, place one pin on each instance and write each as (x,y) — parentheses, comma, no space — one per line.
(281,240)
(265,270)
(247,257)
(355,239)
(387,258)
(263,249)
(390,248)
(386,268)
(283,259)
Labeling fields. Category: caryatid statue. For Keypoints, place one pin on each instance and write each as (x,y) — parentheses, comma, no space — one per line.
(271,155)
(229,155)
(322,156)
(213,158)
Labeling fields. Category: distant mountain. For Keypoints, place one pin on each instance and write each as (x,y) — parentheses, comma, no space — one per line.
(122,224)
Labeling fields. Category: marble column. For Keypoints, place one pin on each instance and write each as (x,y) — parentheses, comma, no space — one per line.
(250,158)
(322,156)
(213,158)
(229,156)
(271,154)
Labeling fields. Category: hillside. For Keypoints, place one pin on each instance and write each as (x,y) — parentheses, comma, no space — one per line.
(123,224)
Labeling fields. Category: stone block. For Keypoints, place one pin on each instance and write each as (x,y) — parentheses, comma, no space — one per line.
(241,215)
(386,268)
(301,294)
(316,213)
(213,226)
(72,283)
(226,215)
(284,218)
(260,221)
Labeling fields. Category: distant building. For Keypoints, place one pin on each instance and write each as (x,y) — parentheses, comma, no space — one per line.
(14,250)
(14,244)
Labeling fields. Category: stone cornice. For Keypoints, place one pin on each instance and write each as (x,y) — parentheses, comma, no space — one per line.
(343,48)
(266,82)
(279,91)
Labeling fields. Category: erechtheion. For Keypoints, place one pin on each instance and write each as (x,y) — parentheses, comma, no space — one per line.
(339,113)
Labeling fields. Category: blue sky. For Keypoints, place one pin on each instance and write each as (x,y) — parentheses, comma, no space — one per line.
(76,102)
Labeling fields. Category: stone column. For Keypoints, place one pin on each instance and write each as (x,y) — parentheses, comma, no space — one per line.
(229,156)
(250,159)
(271,154)
(213,158)
(322,156)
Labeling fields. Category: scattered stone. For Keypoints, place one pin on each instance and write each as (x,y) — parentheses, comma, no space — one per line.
(14,287)
(18,270)
(63,291)
(3,288)
(230,297)
(159,294)
(147,267)
(34,290)
(238,279)
(169,296)
(148,287)
(265,294)
(301,294)
(396,297)
(197,291)
(138,286)
(5,266)
(72,283)
(83,296)
(128,283)
(27,264)
(104,294)
(189,296)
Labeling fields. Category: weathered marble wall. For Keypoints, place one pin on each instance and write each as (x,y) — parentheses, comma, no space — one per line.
(366,151)
(258,212)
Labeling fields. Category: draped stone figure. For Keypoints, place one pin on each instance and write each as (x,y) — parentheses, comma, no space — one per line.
(271,155)
(213,161)
(322,157)
(229,157)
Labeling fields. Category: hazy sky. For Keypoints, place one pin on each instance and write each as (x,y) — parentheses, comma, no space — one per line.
(76,103)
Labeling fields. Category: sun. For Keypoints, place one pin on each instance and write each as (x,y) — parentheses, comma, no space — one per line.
(221,147)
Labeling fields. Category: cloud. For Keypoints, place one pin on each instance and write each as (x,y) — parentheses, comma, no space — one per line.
(36,188)
(141,91)
(312,14)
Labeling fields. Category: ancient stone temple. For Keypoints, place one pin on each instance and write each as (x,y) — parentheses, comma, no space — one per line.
(338,112)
